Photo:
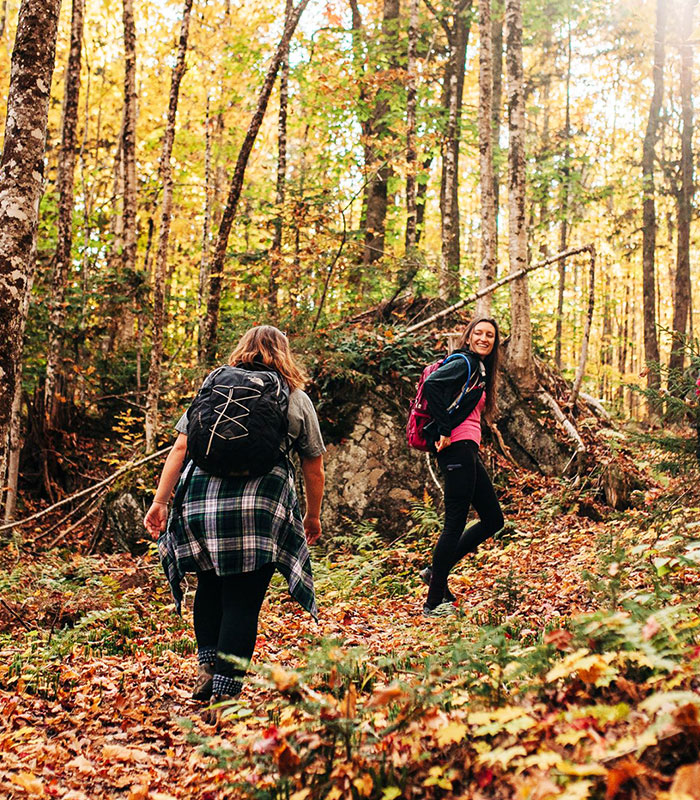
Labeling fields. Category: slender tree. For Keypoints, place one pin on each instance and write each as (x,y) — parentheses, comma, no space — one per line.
(64,237)
(206,234)
(681,305)
(129,138)
(217,267)
(564,205)
(496,102)
(21,185)
(376,133)
(457,34)
(281,188)
(411,156)
(520,347)
(487,272)
(166,178)
(651,339)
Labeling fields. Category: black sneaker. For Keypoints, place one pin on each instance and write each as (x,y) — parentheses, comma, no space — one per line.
(442,610)
(426,574)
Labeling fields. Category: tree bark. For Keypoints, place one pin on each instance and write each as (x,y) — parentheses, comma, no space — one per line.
(206,233)
(217,267)
(281,188)
(487,271)
(21,184)
(681,304)
(376,132)
(453,89)
(411,156)
(496,101)
(564,205)
(520,347)
(166,177)
(581,369)
(651,339)
(129,138)
(65,183)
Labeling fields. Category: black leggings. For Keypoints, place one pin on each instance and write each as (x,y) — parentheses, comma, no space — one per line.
(226,614)
(466,484)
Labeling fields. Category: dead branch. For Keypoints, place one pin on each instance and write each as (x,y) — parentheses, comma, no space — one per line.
(89,490)
(62,535)
(498,436)
(559,415)
(497,284)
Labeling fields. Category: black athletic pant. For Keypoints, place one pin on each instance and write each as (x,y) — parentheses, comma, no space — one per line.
(226,614)
(466,484)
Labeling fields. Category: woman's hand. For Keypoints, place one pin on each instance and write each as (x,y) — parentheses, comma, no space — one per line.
(442,443)
(312,529)
(156,519)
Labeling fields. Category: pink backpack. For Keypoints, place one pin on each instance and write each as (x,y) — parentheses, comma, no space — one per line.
(418,415)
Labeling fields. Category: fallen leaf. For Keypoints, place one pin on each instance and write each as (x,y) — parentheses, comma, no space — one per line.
(686,781)
(29,782)
(450,733)
(620,774)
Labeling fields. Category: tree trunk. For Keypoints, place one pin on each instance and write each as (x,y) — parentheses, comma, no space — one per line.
(564,204)
(377,161)
(129,138)
(411,164)
(206,229)
(281,189)
(651,340)
(496,101)
(21,184)
(64,236)
(217,268)
(520,347)
(487,272)
(681,304)
(452,94)
(166,177)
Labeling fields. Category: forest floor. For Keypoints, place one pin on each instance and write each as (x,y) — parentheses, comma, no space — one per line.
(571,670)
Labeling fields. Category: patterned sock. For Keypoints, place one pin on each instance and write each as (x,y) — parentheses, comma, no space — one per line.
(226,684)
(206,655)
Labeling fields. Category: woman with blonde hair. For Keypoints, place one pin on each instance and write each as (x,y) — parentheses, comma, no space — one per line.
(235,516)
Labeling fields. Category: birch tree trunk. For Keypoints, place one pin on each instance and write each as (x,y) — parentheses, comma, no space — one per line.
(681,305)
(21,185)
(217,267)
(564,205)
(487,272)
(166,177)
(65,184)
(496,102)
(281,188)
(449,204)
(520,347)
(411,98)
(206,233)
(651,339)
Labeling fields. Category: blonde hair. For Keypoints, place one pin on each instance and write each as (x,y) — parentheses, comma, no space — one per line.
(268,345)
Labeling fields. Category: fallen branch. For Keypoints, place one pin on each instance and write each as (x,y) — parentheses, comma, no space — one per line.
(597,407)
(90,489)
(62,535)
(559,415)
(588,248)
(15,614)
(88,499)
(498,436)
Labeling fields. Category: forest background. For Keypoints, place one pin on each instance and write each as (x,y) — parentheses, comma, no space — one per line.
(175,172)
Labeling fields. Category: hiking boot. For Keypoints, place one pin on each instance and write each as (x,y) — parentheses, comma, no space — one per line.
(203,683)
(442,610)
(426,574)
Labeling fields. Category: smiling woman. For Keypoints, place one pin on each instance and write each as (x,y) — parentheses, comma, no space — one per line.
(471,378)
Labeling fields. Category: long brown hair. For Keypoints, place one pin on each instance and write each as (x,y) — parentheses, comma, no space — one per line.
(267,344)
(490,362)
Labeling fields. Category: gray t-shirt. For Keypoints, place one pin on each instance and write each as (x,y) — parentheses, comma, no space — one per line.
(304,431)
